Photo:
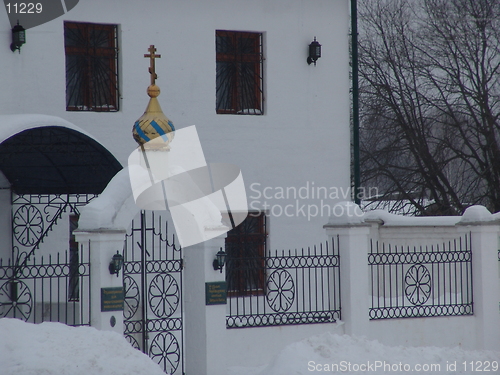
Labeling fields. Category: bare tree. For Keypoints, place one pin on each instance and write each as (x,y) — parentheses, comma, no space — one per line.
(430,103)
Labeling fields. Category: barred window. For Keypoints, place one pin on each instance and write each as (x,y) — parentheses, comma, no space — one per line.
(245,247)
(239,62)
(91,67)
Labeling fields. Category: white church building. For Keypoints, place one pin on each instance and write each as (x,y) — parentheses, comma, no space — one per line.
(285,123)
(238,71)
(263,89)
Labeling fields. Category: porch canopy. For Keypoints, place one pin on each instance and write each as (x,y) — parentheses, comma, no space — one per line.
(47,155)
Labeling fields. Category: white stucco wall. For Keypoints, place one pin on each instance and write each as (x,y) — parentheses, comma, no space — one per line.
(303,136)
(258,346)
(301,140)
(442,331)
(477,331)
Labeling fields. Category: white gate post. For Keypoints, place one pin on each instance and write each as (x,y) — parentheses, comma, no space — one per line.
(485,274)
(102,245)
(353,232)
(204,325)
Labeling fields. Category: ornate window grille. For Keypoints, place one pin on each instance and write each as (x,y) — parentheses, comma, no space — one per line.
(239,79)
(245,247)
(91,67)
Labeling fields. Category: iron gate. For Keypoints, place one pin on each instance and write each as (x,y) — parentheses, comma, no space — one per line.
(152,280)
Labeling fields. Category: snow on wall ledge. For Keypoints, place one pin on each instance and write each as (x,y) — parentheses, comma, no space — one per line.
(350,214)
(114,209)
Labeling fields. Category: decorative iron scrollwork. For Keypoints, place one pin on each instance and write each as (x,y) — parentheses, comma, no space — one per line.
(132,341)
(165,351)
(15,300)
(153,284)
(28,225)
(132,297)
(418,284)
(280,290)
(164,295)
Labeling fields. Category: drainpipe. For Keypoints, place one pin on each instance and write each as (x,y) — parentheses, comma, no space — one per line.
(355,100)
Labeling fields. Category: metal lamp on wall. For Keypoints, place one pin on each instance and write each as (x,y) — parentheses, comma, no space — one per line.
(220,260)
(116,264)
(314,52)
(18,37)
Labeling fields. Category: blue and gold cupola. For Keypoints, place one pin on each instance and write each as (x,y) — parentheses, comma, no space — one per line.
(153,123)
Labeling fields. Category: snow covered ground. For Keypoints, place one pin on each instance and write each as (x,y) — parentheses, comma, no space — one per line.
(335,354)
(56,349)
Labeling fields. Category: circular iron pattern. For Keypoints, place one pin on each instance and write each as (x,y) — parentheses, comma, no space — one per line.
(132,297)
(164,295)
(28,225)
(22,305)
(290,318)
(280,290)
(164,324)
(420,311)
(302,261)
(132,326)
(418,284)
(165,351)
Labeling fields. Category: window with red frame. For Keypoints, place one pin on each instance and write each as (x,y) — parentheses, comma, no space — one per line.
(245,246)
(91,67)
(239,64)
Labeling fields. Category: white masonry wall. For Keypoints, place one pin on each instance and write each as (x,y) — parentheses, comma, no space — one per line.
(302,139)
(467,331)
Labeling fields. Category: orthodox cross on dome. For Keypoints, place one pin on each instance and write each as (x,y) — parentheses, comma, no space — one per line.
(153,123)
(152,56)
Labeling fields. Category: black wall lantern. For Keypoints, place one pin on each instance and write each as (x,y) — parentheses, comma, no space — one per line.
(220,260)
(18,37)
(116,264)
(314,52)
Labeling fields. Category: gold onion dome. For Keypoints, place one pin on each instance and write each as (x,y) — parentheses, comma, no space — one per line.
(153,123)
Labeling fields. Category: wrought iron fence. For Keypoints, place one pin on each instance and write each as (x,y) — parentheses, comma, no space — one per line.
(421,281)
(54,289)
(287,288)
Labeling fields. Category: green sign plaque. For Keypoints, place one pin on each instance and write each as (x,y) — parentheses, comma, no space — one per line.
(215,293)
(112,299)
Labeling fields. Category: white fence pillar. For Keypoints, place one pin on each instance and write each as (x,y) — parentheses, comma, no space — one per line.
(353,235)
(102,245)
(485,273)
(205,325)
